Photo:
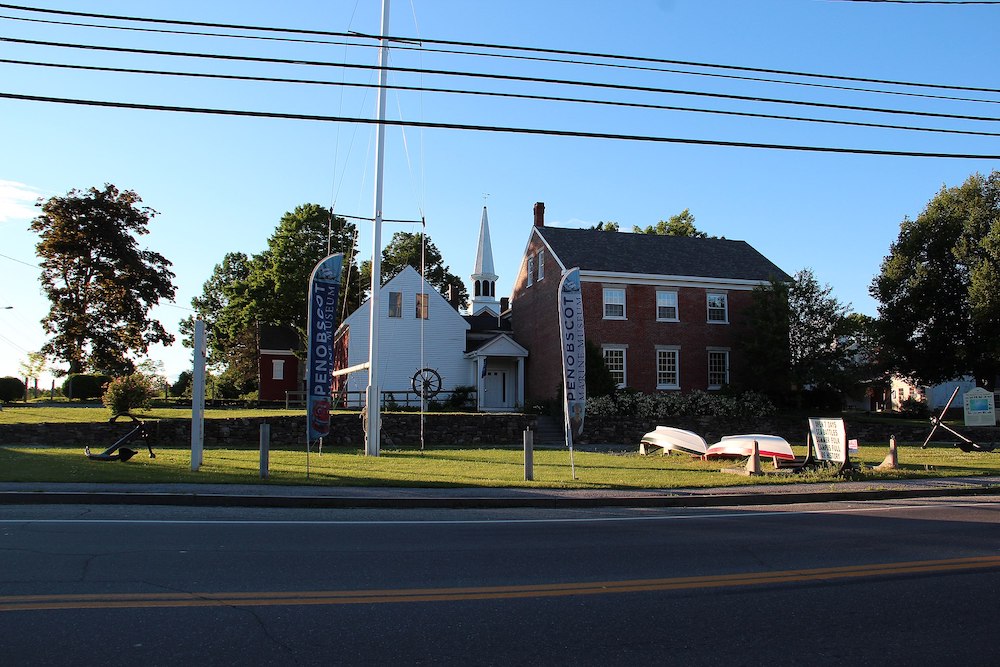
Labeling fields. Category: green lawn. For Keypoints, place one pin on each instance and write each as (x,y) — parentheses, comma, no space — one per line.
(455,467)
(37,413)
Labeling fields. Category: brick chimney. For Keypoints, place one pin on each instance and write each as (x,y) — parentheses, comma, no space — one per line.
(539,214)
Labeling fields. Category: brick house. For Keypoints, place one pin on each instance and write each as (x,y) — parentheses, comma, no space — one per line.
(665,311)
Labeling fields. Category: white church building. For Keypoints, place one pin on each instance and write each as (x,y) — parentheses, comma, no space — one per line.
(422,335)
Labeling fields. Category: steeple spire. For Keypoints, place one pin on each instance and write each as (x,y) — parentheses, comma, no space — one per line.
(483,276)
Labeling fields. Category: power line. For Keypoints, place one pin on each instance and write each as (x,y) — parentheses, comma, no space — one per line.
(526,96)
(565,61)
(503,47)
(501,77)
(494,128)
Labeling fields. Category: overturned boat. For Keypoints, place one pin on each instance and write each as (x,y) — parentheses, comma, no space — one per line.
(741,446)
(670,439)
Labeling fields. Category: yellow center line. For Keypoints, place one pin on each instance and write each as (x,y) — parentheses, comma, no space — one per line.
(296,598)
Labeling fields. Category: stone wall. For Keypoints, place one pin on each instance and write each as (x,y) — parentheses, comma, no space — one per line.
(403,429)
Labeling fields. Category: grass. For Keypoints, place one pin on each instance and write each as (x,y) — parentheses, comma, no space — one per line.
(457,467)
(34,413)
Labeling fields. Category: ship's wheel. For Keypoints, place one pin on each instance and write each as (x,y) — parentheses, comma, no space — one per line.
(426,383)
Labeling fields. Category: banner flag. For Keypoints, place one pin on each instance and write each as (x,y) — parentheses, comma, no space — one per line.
(324,286)
(574,353)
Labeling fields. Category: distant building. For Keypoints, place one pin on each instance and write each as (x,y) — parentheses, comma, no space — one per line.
(419,329)
(277,364)
(666,312)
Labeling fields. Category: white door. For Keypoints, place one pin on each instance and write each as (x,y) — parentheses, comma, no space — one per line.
(497,390)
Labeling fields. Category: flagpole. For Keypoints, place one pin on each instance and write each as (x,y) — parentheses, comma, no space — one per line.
(374,393)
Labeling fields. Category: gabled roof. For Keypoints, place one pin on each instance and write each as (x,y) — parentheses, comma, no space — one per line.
(277,337)
(622,252)
(487,322)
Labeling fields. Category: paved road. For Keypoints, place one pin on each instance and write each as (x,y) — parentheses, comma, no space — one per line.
(893,582)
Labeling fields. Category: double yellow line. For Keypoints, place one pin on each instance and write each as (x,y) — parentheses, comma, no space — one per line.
(289,598)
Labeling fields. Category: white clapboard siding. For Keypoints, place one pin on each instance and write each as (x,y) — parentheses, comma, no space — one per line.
(443,335)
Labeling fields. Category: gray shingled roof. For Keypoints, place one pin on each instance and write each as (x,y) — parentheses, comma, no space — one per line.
(597,250)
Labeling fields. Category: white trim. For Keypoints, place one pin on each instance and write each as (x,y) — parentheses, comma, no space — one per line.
(708,308)
(708,365)
(624,351)
(605,303)
(676,349)
(677,305)
(669,281)
(282,353)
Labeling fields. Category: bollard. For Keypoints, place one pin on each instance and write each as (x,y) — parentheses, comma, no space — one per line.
(753,463)
(265,449)
(529,455)
(891,461)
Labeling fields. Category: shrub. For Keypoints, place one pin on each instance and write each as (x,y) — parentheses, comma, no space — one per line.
(914,408)
(11,389)
(128,393)
(81,386)
(690,404)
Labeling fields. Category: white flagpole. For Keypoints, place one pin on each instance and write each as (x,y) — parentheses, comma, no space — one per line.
(374,393)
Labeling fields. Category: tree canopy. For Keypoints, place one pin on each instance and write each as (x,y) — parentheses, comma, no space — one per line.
(404,249)
(271,288)
(939,287)
(800,337)
(681,224)
(100,283)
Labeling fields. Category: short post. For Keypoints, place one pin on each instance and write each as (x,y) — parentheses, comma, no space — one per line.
(529,455)
(265,449)
(891,461)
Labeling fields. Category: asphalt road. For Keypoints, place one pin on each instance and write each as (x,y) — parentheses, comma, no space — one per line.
(896,582)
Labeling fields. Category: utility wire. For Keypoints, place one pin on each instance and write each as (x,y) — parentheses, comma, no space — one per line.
(502,47)
(501,77)
(525,96)
(495,128)
(563,61)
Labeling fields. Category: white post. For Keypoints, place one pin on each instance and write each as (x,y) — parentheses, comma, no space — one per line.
(374,393)
(198,396)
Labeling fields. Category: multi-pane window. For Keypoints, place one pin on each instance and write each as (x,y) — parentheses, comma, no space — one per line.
(541,265)
(666,306)
(718,308)
(531,271)
(614,359)
(614,303)
(422,301)
(718,368)
(667,364)
(395,304)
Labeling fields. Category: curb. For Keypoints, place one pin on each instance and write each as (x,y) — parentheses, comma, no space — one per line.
(387,502)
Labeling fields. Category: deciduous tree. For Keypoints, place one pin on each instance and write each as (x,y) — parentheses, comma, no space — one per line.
(681,224)
(100,283)
(939,287)
(418,251)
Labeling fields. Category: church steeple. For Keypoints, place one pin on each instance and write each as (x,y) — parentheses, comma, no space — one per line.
(483,277)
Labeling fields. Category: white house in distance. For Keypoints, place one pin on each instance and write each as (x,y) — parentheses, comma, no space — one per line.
(419,330)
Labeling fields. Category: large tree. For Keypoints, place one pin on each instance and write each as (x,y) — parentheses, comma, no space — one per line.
(100,283)
(271,287)
(681,224)
(418,251)
(798,336)
(764,346)
(939,287)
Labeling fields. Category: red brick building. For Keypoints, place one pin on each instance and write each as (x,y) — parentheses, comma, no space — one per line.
(666,311)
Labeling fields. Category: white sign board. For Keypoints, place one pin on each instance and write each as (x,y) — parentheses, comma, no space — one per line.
(979,408)
(829,439)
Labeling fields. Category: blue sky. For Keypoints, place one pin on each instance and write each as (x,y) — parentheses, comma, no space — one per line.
(221,183)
